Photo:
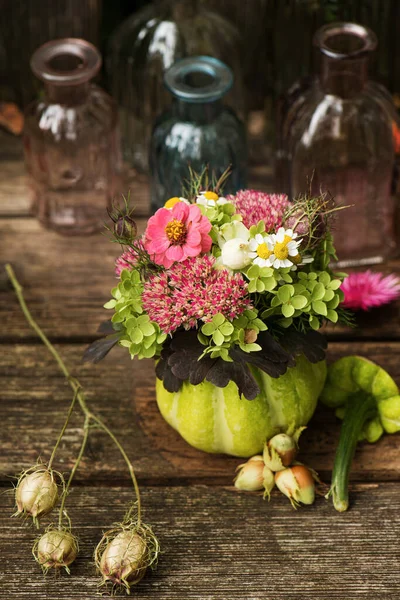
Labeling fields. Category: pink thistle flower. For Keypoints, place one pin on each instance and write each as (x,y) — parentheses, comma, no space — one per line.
(194,290)
(174,235)
(368,289)
(255,206)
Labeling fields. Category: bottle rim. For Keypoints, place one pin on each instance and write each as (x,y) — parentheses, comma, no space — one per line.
(66,61)
(216,76)
(361,40)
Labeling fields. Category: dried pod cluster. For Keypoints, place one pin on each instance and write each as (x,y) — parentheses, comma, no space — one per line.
(277,466)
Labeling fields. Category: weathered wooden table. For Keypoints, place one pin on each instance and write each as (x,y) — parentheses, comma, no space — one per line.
(217,543)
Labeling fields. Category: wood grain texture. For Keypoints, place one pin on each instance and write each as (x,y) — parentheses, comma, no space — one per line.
(219,544)
(35,397)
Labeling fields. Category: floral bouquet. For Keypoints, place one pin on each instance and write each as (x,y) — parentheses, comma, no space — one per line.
(228,295)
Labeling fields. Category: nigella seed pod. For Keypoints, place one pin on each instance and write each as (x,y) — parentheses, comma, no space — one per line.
(125,228)
(36,493)
(124,553)
(297,483)
(56,549)
(280,451)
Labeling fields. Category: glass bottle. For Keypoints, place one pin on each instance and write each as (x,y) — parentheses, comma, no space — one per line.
(70,139)
(145,46)
(197,130)
(337,138)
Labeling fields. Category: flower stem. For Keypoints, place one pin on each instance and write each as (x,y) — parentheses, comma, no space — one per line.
(359,409)
(70,410)
(74,384)
(74,469)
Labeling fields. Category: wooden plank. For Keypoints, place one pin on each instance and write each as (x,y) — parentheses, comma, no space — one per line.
(35,397)
(67,281)
(219,544)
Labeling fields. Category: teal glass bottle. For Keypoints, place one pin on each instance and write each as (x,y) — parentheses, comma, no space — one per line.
(198,130)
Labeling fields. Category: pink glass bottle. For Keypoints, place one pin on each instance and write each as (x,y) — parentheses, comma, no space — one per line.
(337,133)
(70,139)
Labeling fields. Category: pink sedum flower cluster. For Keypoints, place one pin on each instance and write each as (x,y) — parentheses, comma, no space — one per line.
(255,206)
(177,234)
(127,260)
(194,290)
(368,289)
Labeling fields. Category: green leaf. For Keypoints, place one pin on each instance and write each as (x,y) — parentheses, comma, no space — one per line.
(253,272)
(226,328)
(286,322)
(218,338)
(324,278)
(329,294)
(285,292)
(110,304)
(250,314)
(312,275)
(318,292)
(218,319)
(252,287)
(314,323)
(136,336)
(335,284)
(332,315)
(260,287)
(270,283)
(147,328)
(275,301)
(286,277)
(320,308)
(266,272)
(203,339)
(241,321)
(287,310)
(208,328)
(334,303)
(298,302)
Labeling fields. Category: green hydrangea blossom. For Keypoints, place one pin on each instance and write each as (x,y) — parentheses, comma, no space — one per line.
(142,336)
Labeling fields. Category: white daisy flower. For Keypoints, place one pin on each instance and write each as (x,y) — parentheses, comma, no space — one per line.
(300,261)
(284,248)
(207,198)
(172,201)
(261,248)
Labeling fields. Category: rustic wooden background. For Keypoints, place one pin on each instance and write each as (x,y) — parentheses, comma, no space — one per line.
(217,543)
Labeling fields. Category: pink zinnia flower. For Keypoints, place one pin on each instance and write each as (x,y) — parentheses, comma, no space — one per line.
(368,289)
(174,235)
(257,206)
(194,290)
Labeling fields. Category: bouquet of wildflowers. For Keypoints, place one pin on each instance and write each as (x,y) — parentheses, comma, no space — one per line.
(216,285)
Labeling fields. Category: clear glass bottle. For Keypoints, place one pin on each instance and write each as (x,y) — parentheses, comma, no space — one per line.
(70,139)
(198,130)
(145,46)
(337,134)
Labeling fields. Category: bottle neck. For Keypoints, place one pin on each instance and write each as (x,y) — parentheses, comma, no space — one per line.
(70,95)
(343,77)
(197,112)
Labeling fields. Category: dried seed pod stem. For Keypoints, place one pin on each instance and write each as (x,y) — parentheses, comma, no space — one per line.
(64,427)
(74,384)
(62,513)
